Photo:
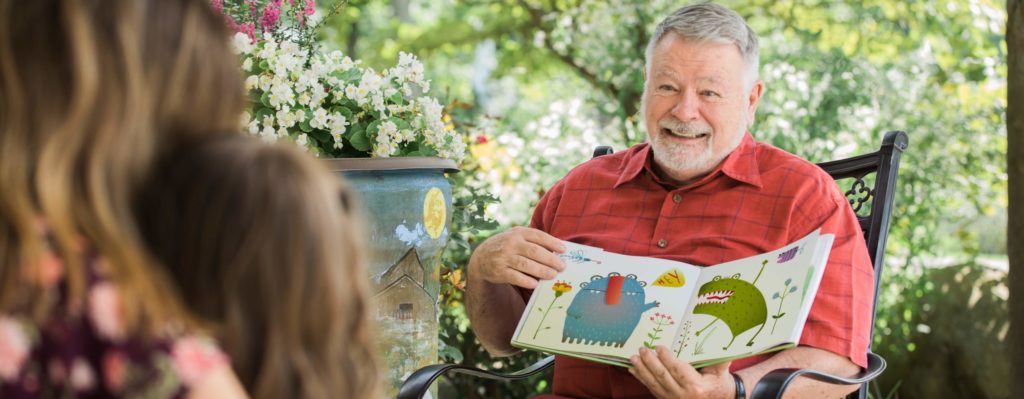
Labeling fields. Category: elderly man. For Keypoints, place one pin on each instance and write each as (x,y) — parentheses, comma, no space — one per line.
(701,191)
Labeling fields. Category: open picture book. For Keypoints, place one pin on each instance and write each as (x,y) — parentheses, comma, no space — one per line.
(605,306)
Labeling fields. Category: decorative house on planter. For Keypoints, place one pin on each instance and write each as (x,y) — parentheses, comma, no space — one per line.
(407,203)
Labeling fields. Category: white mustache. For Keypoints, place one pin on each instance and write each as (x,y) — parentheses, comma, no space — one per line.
(681,128)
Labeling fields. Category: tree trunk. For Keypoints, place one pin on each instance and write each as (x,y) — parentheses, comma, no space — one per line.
(1015,172)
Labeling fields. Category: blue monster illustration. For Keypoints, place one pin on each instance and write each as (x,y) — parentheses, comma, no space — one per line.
(606,310)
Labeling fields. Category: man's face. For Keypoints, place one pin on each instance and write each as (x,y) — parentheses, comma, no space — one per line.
(696,107)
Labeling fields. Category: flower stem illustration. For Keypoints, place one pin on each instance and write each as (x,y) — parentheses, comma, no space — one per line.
(699,348)
(786,290)
(684,342)
(559,288)
(660,320)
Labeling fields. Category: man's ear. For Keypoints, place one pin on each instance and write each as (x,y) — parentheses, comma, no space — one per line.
(754,98)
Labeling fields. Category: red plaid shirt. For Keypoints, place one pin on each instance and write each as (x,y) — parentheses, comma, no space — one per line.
(759,199)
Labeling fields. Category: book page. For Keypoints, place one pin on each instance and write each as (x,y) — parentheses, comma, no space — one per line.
(607,305)
(752,305)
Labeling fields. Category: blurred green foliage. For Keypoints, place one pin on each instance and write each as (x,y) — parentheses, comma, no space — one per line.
(535,84)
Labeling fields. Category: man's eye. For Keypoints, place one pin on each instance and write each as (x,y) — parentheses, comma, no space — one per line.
(666,88)
(709,93)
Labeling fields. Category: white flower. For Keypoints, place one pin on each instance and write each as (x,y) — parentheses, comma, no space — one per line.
(303,141)
(346,63)
(285,118)
(338,127)
(242,43)
(251,82)
(247,64)
(320,119)
(280,94)
(371,81)
(269,50)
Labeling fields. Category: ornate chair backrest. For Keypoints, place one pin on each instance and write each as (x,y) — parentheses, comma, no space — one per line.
(869,182)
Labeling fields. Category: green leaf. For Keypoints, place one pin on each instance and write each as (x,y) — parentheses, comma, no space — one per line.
(322,136)
(265,99)
(343,111)
(305,127)
(360,141)
(652,336)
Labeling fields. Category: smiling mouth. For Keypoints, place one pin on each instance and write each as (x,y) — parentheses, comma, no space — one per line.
(673,133)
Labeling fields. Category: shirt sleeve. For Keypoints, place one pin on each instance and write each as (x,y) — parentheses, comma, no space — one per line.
(840,317)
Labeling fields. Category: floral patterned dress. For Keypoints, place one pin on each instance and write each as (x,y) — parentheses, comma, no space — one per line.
(87,354)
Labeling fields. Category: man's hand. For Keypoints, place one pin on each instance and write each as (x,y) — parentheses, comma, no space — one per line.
(520,256)
(668,377)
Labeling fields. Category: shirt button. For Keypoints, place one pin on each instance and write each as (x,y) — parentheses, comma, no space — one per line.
(662,243)
(677,198)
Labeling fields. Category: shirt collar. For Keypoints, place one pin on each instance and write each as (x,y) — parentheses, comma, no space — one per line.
(740,164)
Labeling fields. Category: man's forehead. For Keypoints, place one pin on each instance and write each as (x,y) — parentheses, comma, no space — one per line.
(707,76)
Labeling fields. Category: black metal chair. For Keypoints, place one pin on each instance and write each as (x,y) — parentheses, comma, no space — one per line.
(882,166)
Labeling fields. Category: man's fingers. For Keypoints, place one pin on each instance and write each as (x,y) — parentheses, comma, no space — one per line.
(543,256)
(658,370)
(543,239)
(519,279)
(683,372)
(533,268)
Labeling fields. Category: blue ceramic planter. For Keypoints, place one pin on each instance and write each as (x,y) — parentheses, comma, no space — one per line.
(408,210)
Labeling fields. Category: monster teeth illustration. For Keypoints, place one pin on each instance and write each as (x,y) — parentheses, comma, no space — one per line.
(715,297)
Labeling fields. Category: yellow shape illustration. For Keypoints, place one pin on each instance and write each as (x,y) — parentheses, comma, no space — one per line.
(434,212)
(671,278)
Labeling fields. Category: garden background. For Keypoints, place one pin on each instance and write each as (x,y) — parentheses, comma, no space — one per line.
(535,85)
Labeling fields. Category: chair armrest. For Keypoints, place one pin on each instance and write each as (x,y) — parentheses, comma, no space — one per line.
(773,384)
(419,382)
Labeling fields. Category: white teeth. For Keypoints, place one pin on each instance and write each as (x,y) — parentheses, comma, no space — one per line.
(715,297)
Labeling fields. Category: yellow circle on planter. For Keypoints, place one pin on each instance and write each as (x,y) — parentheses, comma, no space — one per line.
(434,212)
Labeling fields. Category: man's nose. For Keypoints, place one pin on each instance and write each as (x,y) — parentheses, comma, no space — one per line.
(686,109)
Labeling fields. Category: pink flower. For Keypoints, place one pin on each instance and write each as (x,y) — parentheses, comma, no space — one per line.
(195,357)
(310,7)
(114,363)
(58,373)
(249,29)
(14,348)
(106,312)
(218,6)
(83,378)
(270,17)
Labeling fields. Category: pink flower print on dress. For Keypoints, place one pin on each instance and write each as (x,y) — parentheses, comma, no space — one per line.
(114,370)
(195,357)
(58,373)
(106,312)
(83,378)
(14,348)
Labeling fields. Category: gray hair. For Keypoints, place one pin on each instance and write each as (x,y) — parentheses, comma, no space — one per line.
(710,23)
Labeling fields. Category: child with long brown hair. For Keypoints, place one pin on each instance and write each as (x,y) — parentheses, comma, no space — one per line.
(264,248)
(91,92)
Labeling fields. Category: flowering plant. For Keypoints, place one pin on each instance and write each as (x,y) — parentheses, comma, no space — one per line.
(327,102)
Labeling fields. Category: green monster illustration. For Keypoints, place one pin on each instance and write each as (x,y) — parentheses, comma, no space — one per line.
(739,304)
